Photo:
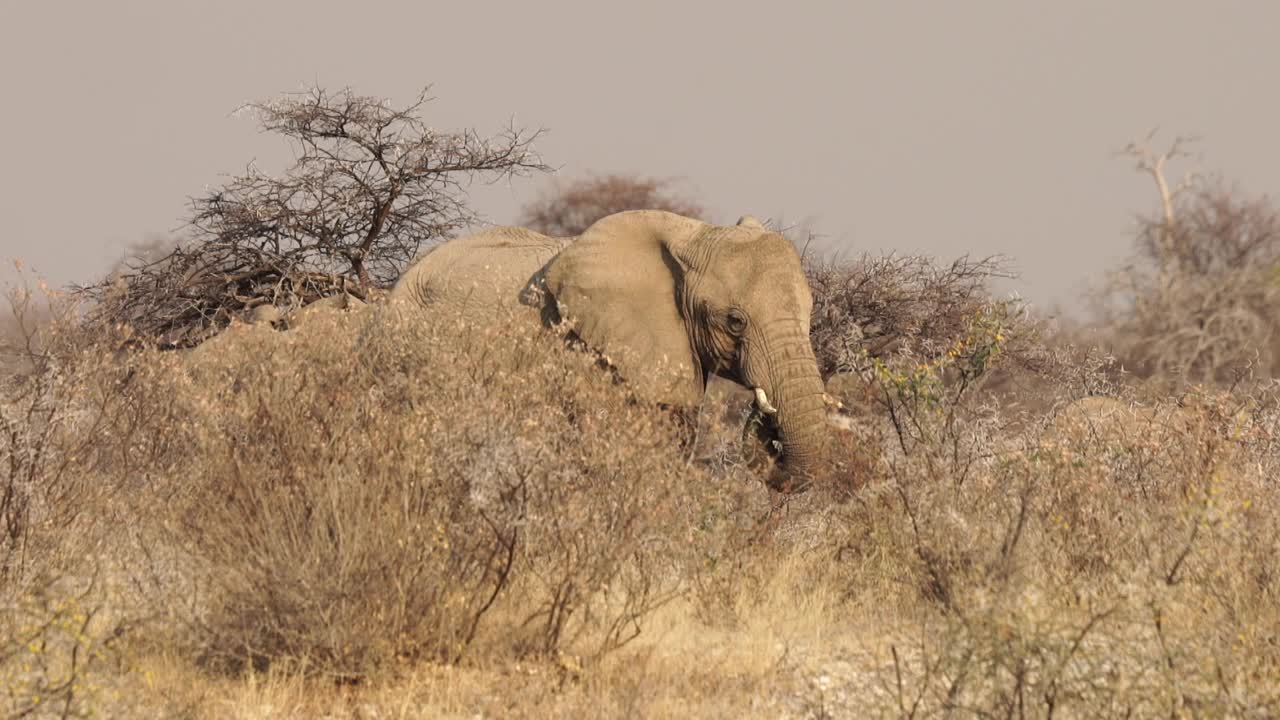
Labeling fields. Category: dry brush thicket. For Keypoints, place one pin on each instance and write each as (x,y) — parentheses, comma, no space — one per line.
(367,497)
(1196,302)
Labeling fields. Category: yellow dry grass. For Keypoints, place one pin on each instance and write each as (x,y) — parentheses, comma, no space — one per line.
(377,517)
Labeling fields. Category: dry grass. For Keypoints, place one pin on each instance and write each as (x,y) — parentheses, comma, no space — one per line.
(362,503)
(382,516)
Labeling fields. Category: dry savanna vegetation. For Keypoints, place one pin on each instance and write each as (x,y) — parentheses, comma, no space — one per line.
(570,209)
(383,515)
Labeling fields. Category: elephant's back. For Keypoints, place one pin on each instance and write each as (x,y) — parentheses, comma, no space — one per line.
(477,273)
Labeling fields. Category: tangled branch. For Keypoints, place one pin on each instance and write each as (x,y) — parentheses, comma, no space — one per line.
(881,306)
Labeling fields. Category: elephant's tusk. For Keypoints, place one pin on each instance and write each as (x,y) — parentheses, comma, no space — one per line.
(832,401)
(762,402)
(840,421)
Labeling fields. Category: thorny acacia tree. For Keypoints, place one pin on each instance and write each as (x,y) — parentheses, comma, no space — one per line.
(371,183)
(573,208)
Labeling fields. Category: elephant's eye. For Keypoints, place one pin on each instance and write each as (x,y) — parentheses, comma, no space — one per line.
(736,321)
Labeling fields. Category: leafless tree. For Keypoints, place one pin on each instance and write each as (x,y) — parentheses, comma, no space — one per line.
(1197,301)
(1160,236)
(568,210)
(370,185)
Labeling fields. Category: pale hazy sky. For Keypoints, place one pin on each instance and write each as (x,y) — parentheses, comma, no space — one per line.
(942,127)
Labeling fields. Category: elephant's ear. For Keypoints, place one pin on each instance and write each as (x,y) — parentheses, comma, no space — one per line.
(617,286)
(751,222)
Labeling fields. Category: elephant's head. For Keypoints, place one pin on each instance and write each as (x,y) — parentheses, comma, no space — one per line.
(670,300)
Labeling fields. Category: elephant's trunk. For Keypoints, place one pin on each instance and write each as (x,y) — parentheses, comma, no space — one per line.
(793,404)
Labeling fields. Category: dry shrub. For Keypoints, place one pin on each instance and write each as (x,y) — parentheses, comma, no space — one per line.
(56,406)
(1112,564)
(910,311)
(569,210)
(1196,302)
(882,306)
(357,494)
(59,503)
(57,652)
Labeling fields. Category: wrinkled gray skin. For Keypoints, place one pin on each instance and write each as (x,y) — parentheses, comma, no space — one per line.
(667,300)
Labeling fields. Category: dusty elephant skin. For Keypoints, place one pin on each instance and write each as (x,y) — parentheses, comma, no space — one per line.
(668,300)
(267,324)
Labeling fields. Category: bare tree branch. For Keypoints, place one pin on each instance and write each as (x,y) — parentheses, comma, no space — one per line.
(1154,164)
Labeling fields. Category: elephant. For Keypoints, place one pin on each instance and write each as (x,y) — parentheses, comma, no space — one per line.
(1109,421)
(328,306)
(331,306)
(270,324)
(666,300)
